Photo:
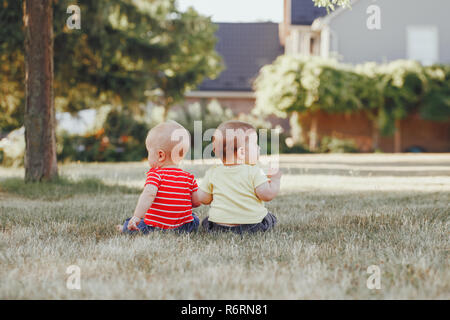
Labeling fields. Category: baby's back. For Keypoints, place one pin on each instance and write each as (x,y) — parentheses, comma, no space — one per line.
(234,197)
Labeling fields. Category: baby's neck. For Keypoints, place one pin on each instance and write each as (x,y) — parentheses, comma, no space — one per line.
(168,164)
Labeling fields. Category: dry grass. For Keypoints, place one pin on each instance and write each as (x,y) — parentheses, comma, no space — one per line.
(337,216)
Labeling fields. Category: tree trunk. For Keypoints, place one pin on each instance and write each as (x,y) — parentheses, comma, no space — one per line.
(39,120)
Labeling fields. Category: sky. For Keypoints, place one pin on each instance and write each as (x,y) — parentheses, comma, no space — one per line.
(237,10)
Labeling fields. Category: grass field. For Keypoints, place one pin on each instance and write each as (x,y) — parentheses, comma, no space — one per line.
(337,215)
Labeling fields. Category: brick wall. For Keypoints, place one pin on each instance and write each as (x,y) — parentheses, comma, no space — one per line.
(415,132)
(429,135)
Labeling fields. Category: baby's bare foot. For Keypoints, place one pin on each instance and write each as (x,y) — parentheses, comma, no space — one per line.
(119,228)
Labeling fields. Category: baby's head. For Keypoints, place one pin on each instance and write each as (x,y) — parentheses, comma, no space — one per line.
(236,142)
(167,144)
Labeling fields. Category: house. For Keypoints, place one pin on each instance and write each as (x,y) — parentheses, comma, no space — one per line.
(385,30)
(380,31)
(297,35)
(245,49)
(372,30)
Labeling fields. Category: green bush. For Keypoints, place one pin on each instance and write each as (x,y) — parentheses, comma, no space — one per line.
(336,145)
(120,138)
(385,92)
(211,114)
(12,148)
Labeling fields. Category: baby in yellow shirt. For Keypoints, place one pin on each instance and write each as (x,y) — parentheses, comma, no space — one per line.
(237,189)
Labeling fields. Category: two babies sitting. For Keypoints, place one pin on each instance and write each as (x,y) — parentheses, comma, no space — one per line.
(235,190)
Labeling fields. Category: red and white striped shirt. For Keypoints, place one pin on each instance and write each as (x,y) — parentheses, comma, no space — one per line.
(172,206)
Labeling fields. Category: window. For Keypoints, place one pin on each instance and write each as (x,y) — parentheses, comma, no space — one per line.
(423,44)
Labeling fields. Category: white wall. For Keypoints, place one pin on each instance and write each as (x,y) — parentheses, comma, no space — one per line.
(356,43)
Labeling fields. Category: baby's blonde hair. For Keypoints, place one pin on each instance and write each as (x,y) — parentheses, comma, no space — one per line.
(237,137)
(169,136)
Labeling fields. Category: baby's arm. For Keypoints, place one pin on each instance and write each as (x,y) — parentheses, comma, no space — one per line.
(204,197)
(195,200)
(269,190)
(205,184)
(145,201)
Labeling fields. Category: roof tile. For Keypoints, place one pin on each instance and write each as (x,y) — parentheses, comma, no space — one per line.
(245,48)
(303,12)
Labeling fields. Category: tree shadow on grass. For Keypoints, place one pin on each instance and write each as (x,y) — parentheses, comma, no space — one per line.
(61,188)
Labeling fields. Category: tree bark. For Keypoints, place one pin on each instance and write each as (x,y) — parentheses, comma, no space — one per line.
(39,120)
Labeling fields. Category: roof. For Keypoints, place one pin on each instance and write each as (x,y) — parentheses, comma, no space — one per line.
(303,12)
(245,48)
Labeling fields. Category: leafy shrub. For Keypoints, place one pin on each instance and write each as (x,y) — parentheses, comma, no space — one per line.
(336,145)
(292,148)
(211,115)
(121,138)
(12,148)
(385,92)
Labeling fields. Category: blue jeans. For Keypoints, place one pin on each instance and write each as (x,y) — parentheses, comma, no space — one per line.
(145,229)
(268,223)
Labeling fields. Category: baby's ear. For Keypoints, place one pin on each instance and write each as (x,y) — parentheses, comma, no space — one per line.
(161,155)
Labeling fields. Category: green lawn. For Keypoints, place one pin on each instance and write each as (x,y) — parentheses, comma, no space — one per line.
(337,215)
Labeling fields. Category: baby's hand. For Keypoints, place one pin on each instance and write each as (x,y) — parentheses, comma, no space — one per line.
(133,222)
(274,173)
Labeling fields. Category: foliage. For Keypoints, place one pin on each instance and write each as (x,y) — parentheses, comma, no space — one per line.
(12,68)
(127,52)
(403,86)
(436,99)
(120,138)
(331,4)
(336,145)
(386,92)
(12,148)
(211,114)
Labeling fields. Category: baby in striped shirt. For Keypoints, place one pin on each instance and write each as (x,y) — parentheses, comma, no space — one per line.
(170,193)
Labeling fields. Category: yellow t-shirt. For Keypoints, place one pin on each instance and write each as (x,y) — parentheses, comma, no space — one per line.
(234,197)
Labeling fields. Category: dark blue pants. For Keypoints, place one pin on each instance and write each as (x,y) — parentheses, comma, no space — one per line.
(266,224)
(145,229)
